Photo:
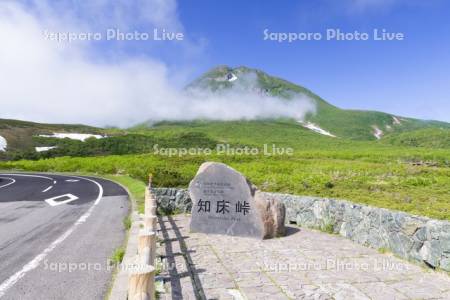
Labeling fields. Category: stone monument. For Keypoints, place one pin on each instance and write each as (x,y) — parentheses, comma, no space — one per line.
(225,202)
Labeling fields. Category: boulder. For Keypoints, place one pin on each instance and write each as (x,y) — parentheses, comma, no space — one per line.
(225,202)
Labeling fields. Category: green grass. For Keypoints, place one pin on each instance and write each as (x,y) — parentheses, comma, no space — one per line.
(117,256)
(327,227)
(127,223)
(377,175)
(383,250)
(431,137)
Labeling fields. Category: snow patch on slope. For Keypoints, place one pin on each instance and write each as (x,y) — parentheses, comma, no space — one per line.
(396,120)
(73,136)
(3,144)
(228,77)
(316,128)
(43,149)
(378,133)
(231,77)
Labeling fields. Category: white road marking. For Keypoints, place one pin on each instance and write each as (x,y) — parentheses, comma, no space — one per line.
(28,175)
(71,180)
(52,201)
(48,189)
(5,185)
(34,263)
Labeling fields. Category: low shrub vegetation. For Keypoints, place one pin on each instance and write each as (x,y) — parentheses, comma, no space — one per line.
(410,179)
(378,178)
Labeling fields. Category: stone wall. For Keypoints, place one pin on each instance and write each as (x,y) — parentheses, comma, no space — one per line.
(411,237)
(172,200)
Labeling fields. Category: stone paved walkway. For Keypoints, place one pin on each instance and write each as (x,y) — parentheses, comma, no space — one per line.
(305,264)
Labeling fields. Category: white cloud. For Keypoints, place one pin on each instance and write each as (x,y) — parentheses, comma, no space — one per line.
(46,81)
(367,6)
(103,14)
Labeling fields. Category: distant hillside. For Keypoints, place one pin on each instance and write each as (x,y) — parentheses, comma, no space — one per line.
(256,133)
(352,124)
(192,134)
(19,134)
(429,138)
(28,140)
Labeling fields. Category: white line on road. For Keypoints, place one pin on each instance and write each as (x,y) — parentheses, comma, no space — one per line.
(28,175)
(34,263)
(48,189)
(52,201)
(5,185)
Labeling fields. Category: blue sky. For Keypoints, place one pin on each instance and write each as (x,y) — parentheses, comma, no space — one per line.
(409,77)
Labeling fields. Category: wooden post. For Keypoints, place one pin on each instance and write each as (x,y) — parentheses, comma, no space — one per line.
(150,203)
(150,223)
(147,247)
(148,195)
(141,283)
(150,210)
(150,178)
(152,200)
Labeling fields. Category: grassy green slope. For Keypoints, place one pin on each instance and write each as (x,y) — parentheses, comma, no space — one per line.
(430,137)
(359,125)
(251,133)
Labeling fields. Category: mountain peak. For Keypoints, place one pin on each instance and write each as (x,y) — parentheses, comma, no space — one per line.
(224,76)
(227,73)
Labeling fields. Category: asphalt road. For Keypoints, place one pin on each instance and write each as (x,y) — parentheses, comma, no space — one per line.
(57,234)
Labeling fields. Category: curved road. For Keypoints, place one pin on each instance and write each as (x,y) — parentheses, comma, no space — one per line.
(57,234)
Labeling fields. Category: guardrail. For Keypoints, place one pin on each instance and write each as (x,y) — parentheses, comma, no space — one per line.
(141,280)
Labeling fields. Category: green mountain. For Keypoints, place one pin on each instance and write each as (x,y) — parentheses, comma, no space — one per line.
(351,124)
(329,128)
